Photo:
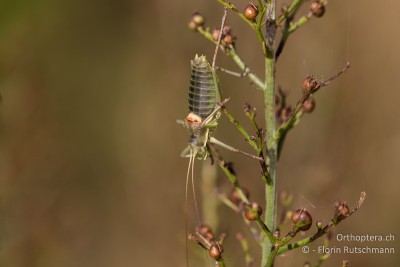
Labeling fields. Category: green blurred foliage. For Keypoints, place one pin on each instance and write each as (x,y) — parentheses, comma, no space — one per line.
(90,173)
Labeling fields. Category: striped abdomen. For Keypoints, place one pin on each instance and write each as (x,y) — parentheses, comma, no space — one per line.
(202,89)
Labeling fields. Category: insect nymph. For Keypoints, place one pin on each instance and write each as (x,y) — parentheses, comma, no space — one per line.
(204,107)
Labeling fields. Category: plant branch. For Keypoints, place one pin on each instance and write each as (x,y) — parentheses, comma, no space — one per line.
(321,232)
(301,21)
(297,111)
(235,208)
(230,6)
(290,14)
(241,129)
(294,6)
(231,52)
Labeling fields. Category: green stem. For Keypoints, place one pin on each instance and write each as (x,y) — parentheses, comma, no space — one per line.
(236,11)
(245,134)
(294,26)
(269,108)
(295,4)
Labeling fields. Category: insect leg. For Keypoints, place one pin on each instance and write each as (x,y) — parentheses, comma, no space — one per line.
(233,149)
(233,73)
(211,116)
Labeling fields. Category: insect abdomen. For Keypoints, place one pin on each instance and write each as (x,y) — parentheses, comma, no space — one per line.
(202,88)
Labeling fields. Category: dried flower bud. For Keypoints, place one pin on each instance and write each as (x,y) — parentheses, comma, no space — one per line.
(251,212)
(215,251)
(226,30)
(251,11)
(307,264)
(215,34)
(284,114)
(343,209)
(229,39)
(309,105)
(196,20)
(235,197)
(310,83)
(317,8)
(205,231)
(246,107)
(302,219)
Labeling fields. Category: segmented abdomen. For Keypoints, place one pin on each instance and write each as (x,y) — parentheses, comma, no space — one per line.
(202,88)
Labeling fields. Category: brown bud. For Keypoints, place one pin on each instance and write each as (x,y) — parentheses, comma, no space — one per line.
(310,83)
(307,264)
(302,219)
(250,12)
(229,39)
(309,105)
(252,211)
(343,209)
(226,30)
(246,107)
(284,114)
(196,20)
(317,8)
(235,197)
(205,231)
(215,251)
(215,34)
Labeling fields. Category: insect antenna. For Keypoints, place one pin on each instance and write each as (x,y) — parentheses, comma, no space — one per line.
(186,206)
(194,191)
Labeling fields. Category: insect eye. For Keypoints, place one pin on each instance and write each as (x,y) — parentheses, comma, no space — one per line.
(193,118)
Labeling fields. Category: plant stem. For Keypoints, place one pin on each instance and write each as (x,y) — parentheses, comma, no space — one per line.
(269,109)
(270,191)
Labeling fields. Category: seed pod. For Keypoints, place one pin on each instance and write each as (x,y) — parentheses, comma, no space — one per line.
(235,197)
(302,219)
(309,105)
(216,251)
(317,8)
(251,212)
(196,20)
(251,12)
(310,83)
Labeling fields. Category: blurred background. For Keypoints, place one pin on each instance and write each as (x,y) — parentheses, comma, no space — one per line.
(90,173)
